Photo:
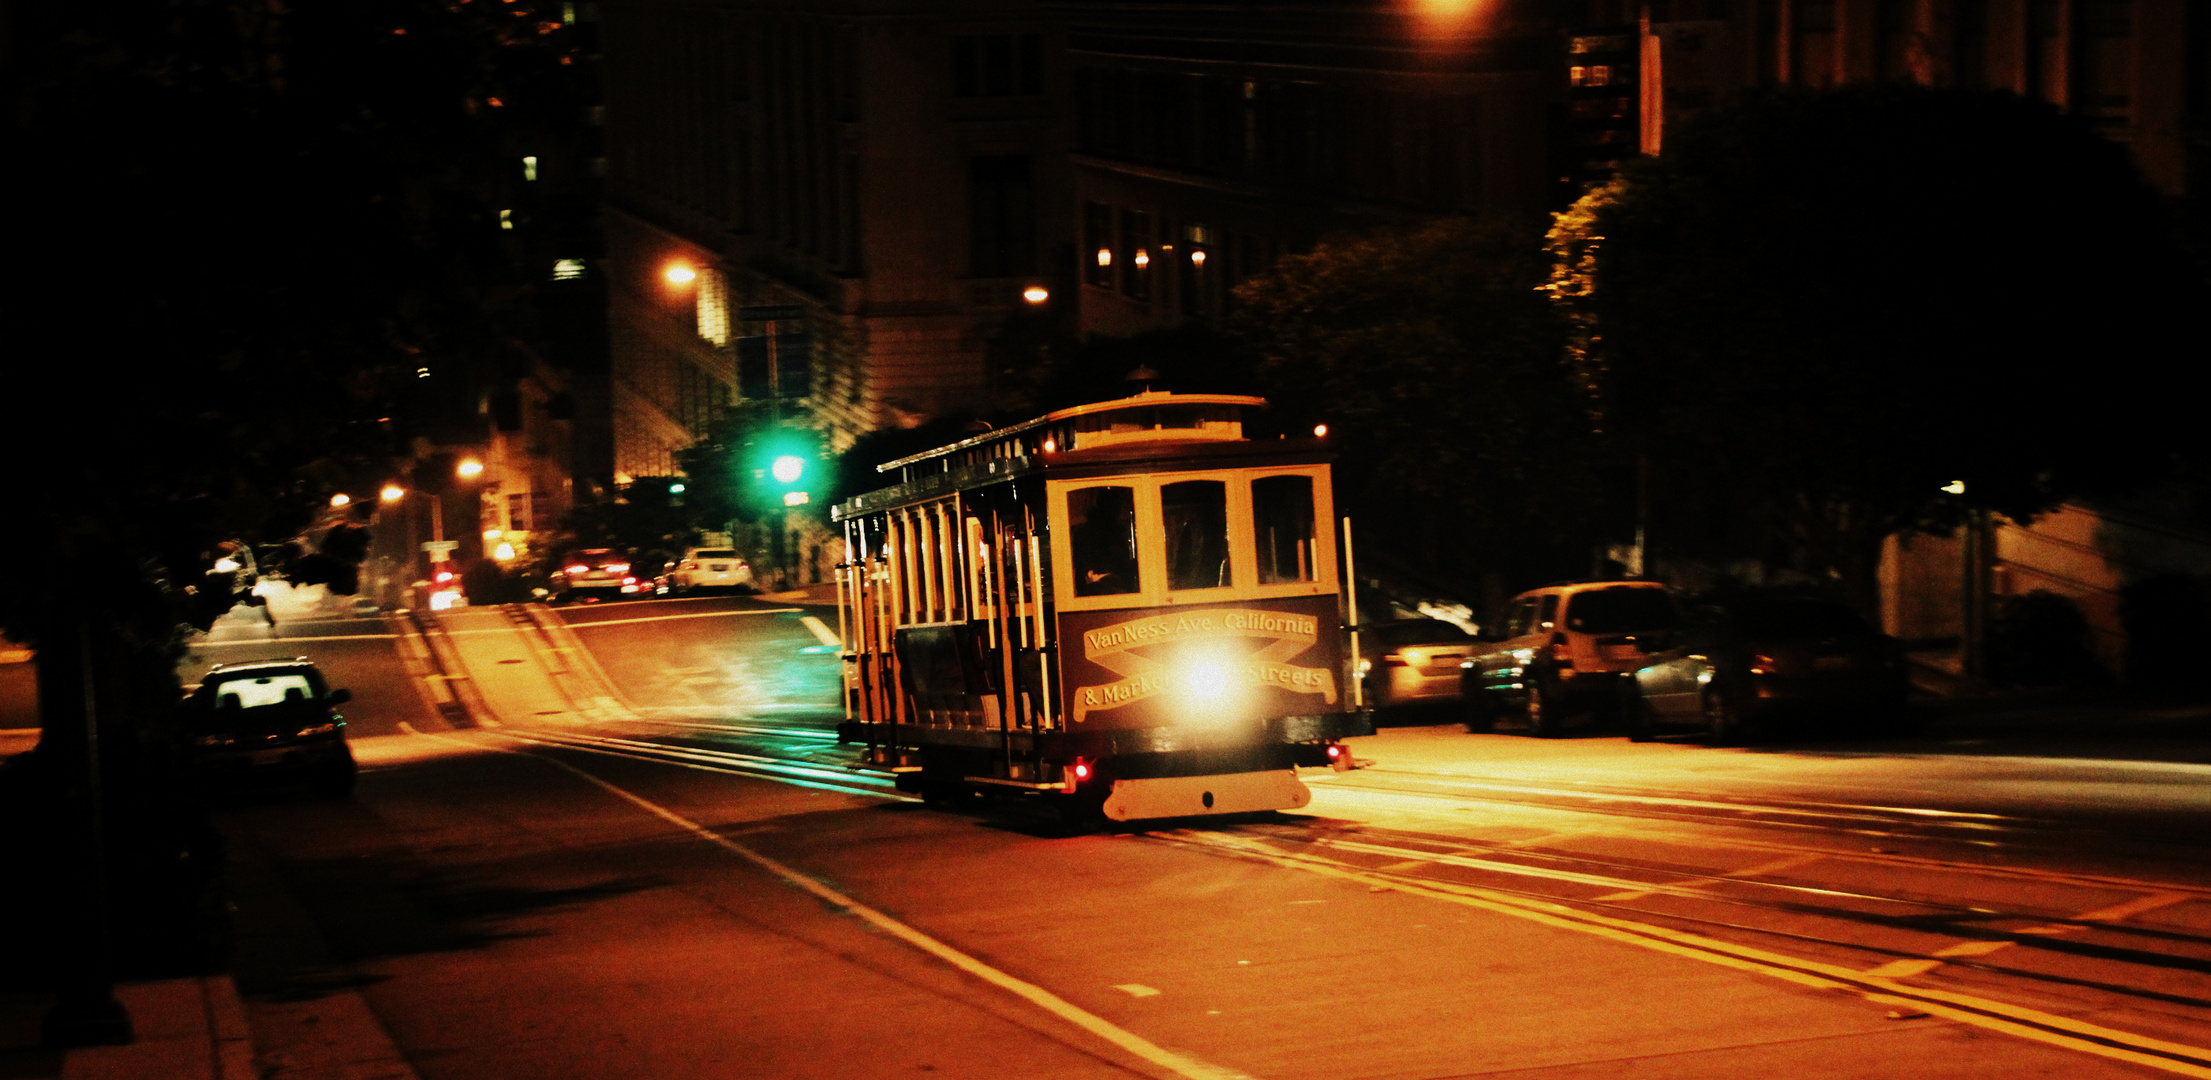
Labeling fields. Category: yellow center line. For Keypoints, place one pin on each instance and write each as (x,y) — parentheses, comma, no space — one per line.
(2137,906)
(1177,1063)
(1904,969)
(1877,986)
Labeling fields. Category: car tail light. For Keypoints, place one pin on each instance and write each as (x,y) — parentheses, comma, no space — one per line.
(444,576)
(1077,773)
(617,568)
(578,568)
(1339,758)
(1761,664)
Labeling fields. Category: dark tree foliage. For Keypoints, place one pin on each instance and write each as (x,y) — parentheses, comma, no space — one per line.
(1436,362)
(252,242)
(1815,310)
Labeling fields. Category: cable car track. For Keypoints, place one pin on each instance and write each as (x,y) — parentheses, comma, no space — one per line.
(1714,914)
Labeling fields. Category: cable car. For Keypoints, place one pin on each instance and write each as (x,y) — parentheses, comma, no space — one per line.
(1128,607)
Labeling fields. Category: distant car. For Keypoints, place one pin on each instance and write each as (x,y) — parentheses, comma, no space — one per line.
(709,568)
(1758,662)
(266,722)
(1412,660)
(1566,650)
(594,573)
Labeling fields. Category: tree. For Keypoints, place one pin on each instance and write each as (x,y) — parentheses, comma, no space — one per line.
(1817,310)
(1436,363)
(248,249)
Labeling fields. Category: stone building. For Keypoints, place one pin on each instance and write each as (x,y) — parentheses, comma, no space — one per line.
(886,179)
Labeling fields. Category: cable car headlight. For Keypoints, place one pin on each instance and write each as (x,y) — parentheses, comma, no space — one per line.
(1212,682)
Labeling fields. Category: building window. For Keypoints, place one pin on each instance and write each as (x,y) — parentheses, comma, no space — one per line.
(777,367)
(1001,216)
(713,305)
(518,512)
(568,270)
(997,65)
(2103,81)
(1812,58)
(1097,236)
(1135,254)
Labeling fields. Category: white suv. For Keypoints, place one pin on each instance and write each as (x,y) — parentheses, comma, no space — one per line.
(1566,649)
(710,568)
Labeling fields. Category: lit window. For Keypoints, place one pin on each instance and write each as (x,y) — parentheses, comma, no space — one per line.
(568,270)
(713,306)
(529,168)
(506,219)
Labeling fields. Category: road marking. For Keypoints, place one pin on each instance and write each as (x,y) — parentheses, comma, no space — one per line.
(822,632)
(408,728)
(2137,906)
(1136,989)
(1904,969)
(289,640)
(1177,1063)
(1975,948)
(1760,870)
(2021,1021)
(1777,865)
(665,618)
(1394,802)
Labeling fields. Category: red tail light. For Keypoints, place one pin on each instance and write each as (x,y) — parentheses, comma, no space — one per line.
(617,568)
(444,576)
(1334,752)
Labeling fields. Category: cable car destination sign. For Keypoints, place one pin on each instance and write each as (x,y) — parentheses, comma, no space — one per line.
(1200,656)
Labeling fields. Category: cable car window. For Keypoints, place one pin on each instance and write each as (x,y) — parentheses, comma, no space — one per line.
(1194,514)
(1101,527)
(1282,524)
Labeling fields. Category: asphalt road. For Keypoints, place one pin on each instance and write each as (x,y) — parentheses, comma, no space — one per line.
(635,853)
(716,659)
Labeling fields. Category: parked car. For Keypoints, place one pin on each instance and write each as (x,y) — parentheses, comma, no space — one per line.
(1412,660)
(709,568)
(269,722)
(1757,662)
(594,573)
(1566,650)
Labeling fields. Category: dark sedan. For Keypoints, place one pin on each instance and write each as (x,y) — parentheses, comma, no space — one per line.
(1765,664)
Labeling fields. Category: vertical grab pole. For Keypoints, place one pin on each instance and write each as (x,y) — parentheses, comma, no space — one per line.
(849,657)
(1351,598)
(1043,643)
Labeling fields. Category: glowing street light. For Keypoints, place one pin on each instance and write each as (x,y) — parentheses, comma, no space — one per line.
(1036,294)
(679,274)
(392,493)
(469,469)
(340,499)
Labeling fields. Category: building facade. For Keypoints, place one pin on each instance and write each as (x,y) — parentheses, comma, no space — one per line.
(855,197)
(1208,140)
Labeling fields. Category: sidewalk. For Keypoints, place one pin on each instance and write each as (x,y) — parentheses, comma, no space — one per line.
(186,1029)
